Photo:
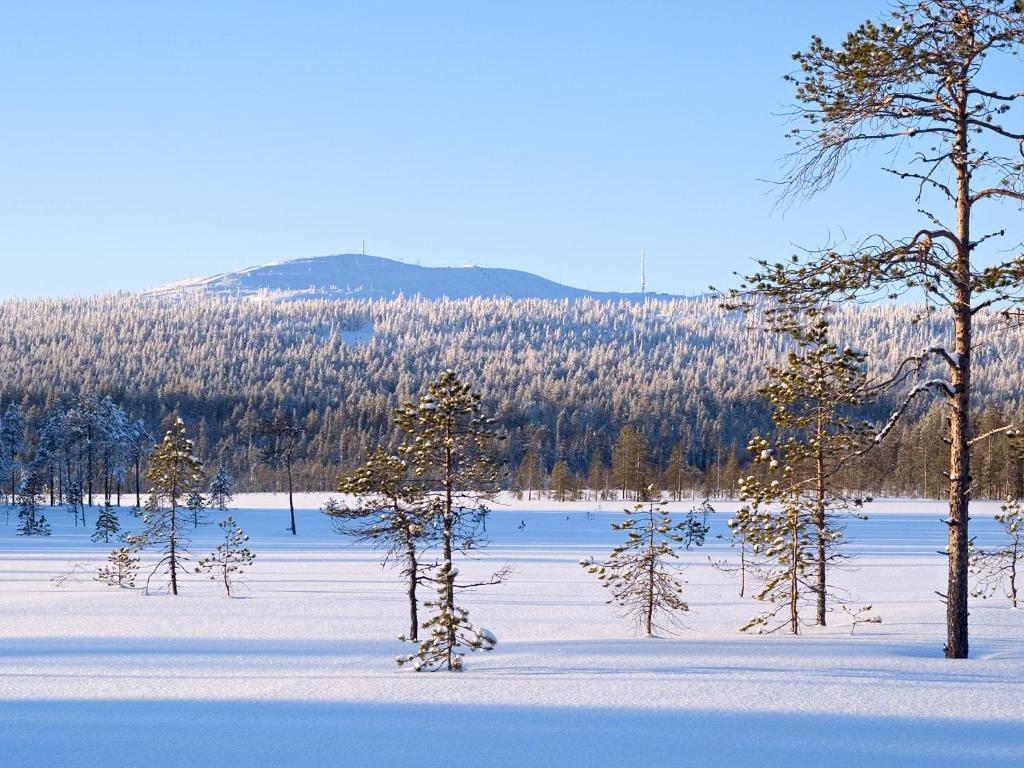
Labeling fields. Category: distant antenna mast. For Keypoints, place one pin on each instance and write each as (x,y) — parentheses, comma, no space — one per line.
(364,247)
(643,274)
(643,307)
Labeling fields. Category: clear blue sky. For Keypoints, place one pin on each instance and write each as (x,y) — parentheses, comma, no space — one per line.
(142,142)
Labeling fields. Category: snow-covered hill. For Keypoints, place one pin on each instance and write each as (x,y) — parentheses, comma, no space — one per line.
(357,276)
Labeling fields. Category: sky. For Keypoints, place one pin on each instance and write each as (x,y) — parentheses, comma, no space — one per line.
(143,143)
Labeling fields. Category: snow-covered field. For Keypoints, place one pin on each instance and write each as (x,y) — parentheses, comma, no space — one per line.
(298,670)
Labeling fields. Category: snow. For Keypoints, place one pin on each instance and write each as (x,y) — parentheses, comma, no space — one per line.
(358,276)
(299,670)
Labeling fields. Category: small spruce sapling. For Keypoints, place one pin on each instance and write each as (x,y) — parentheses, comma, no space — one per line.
(107,524)
(229,558)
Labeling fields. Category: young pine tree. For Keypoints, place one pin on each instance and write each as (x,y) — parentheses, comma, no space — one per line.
(121,568)
(230,558)
(639,572)
(392,511)
(107,524)
(813,399)
(450,447)
(998,567)
(174,471)
(220,489)
(776,523)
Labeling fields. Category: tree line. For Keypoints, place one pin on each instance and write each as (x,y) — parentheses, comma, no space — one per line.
(573,378)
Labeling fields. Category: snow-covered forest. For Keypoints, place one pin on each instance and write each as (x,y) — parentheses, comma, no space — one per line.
(564,378)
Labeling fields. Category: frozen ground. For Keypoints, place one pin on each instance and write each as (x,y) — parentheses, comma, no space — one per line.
(299,670)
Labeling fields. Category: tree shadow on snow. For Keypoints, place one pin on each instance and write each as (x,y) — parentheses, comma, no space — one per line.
(157,733)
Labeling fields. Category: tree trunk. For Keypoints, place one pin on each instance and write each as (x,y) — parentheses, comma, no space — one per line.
(291,501)
(413,568)
(820,521)
(743,567)
(649,614)
(138,484)
(171,549)
(794,581)
(959,421)
(447,536)
(89,473)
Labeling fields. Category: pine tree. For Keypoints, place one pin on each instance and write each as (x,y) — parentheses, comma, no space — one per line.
(279,436)
(107,524)
(121,568)
(678,474)
(531,472)
(195,504)
(450,447)
(639,574)
(12,442)
(998,567)
(915,81)
(31,520)
(230,558)
(174,471)
(776,523)
(75,500)
(629,463)
(813,399)
(220,489)
(391,510)
(561,481)
(597,476)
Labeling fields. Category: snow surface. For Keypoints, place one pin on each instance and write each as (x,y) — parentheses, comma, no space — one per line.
(359,276)
(299,669)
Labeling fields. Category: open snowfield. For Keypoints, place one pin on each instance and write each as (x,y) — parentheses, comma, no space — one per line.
(298,670)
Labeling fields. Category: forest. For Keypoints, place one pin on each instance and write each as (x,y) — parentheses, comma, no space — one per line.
(575,387)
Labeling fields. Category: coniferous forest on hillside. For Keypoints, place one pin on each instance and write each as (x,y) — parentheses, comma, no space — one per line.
(590,396)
